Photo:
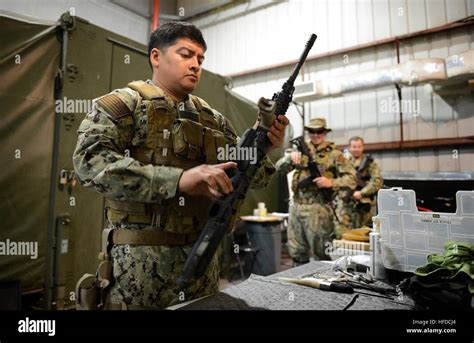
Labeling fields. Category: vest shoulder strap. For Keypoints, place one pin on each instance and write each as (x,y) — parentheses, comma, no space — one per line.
(147,91)
(200,104)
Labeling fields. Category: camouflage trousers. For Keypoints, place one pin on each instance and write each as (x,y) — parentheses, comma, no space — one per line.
(310,232)
(145,276)
(363,215)
(352,215)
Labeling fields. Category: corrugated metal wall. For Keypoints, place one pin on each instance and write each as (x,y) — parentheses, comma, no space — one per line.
(281,27)
(268,33)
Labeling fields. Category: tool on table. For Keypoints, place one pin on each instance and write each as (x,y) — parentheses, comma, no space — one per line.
(358,281)
(321,284)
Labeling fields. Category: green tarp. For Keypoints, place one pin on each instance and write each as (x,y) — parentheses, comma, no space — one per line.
(30,56)
(29,59)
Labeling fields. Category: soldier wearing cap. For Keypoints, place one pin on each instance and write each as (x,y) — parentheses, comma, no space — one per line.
(311,222)
(151,150)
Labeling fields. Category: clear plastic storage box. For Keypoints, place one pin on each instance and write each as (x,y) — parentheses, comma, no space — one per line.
(409,236)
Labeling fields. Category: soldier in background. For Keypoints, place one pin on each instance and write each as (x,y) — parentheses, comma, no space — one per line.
(311,222)
(361,206)
(151,150)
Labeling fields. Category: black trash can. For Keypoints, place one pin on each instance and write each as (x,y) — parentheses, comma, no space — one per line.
(265,238)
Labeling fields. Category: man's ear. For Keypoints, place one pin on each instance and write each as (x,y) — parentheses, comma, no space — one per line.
(155,57)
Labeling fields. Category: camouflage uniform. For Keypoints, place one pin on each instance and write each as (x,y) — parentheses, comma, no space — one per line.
(132,148)
(357,213)
(310,226)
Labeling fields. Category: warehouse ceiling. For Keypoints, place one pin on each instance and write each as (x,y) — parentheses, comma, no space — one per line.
(170,9)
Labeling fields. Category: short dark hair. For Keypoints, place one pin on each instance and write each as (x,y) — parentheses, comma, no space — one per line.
(167,34)
(356,138)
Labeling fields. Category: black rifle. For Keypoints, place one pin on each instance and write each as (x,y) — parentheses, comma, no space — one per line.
(368,159)
(223,209)
(314,173)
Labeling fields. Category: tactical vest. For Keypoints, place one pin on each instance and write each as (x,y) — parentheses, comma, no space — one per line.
(174,139)
(321,156)
(364,174)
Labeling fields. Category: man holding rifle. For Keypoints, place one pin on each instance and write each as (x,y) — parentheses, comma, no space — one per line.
(151,150)
(311,224)
(361,207)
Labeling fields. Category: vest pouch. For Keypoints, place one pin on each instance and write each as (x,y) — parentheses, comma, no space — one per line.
(188,215)
(298,176)
(214,145)
(188,139)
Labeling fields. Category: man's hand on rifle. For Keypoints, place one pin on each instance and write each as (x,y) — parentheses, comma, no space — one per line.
(323,182)
(207,180)
(296,157)
(357,195)
(276,134)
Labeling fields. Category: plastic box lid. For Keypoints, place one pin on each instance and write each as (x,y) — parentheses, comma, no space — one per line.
(409,236)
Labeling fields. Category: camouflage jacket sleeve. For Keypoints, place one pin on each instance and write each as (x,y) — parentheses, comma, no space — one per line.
(346,174)
(375,182)
(101,162)
(284,165)
(264,174)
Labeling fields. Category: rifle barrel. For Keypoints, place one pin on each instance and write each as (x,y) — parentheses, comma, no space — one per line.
(296,70)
